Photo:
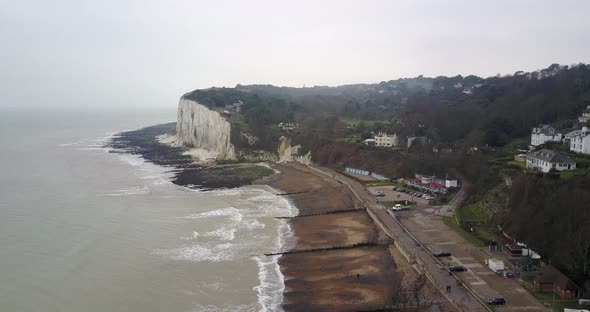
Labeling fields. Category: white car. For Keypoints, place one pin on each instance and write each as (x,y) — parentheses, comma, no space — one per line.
(398,207)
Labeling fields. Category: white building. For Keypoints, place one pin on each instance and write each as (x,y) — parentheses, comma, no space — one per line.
(544,160)
(544,133)
(288,126)
(579,141)
(384,139)
(585,115)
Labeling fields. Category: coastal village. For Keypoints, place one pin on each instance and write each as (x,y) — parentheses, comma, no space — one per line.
(436,235)
(504,271)
(391,217)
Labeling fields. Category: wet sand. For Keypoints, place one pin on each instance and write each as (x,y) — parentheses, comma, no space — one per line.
(362,274)
(351,279)
(312,194)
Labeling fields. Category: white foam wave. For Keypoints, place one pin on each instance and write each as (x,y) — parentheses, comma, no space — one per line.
(237,308)
(271,287)
(199,253)
(131,191)
(231,212)
(68,144)
(225,233)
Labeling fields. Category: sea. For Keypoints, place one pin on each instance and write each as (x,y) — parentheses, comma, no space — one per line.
(85,229)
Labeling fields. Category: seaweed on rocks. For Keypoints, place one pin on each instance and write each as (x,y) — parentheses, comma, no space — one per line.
(143,142)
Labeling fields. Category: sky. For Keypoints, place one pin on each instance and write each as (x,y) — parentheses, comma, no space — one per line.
(148,53)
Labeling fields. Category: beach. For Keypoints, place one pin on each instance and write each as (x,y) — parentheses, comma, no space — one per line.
(331,256)
(338,259)
(345,279)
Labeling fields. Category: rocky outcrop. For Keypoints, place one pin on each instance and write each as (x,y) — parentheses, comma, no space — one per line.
(200,128)
(291,153)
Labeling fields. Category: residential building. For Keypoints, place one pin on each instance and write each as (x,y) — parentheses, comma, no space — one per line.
(544,160)
(580,141)
(567,138)
(544,133)
(288,126)
(585,115)
(370,142)
(550,279)
(384,139)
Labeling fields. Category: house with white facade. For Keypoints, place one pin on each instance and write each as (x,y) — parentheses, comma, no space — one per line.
(288,126)
(387,140)
(585,115)
(579,141)
(544,160)
(544,133)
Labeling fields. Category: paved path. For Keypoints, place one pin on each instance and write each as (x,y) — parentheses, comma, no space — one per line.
(460,296)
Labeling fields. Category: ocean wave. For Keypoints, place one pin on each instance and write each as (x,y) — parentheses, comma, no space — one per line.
(131,191)
(237,308)
(231,212)
(199,253)
(68,144)
(224,233)
(271,287)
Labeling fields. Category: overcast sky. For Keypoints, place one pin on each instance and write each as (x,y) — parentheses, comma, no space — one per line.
(148,53)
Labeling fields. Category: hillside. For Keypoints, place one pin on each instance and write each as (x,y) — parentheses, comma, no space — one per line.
(458,113)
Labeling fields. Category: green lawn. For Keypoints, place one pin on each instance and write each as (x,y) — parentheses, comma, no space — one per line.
(349,139)
(471,212)
(518,164)
(353,122)
(566,174)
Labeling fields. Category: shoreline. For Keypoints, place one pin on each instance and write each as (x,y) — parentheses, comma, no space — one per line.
(331,257)
(341,260)
(338,260)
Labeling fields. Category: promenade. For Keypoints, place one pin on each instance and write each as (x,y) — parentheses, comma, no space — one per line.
(460,295)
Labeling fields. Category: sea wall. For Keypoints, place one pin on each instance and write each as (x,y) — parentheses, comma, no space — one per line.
(199,127)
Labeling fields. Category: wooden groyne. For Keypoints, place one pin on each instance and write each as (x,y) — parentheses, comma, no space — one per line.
(357,245)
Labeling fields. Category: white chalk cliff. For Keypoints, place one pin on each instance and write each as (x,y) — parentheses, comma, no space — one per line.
(203,129)
(289,153)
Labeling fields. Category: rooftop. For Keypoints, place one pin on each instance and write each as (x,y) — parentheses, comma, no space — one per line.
(550,156)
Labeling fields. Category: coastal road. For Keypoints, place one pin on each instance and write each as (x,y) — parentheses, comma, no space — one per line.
(420,232)
(461,296)
(431,231)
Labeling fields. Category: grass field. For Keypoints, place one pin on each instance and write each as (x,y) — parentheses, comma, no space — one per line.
(471,212)
(518,164)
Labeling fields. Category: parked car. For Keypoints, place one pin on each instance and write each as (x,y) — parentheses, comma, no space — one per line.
(496,301)
(399,207)
(457,268)
(442,254)
(379,194)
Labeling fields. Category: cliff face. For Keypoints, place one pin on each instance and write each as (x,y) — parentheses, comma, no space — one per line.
(289,153)
(199,127)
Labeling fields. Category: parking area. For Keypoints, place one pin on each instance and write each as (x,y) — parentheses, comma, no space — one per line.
(391,195)
(436,236)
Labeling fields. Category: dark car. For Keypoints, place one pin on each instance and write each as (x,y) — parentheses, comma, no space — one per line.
(457,268)
(442,254)
(379,194)
(496,301)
